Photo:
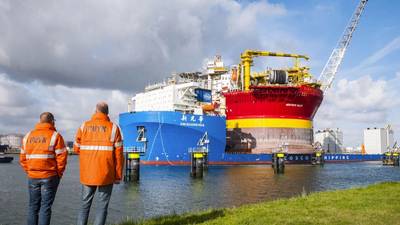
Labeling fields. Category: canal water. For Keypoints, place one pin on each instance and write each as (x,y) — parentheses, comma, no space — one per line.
(166,189)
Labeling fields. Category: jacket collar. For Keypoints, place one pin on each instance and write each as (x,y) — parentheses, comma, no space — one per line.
(44,126)
(100,116)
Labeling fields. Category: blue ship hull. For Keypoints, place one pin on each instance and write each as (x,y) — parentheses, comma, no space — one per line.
(170,135)
(352,157)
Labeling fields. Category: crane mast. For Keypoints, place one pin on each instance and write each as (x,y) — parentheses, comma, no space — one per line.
(328,73)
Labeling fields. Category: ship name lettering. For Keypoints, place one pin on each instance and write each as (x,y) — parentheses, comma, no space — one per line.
(294,105)
(183,118)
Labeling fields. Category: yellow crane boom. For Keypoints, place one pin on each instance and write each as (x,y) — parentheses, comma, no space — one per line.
(247,60)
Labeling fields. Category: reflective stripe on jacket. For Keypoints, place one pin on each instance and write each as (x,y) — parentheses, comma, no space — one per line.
(99,144)
(43,152)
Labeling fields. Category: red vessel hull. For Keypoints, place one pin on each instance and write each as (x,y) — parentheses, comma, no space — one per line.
(274,102)
(264,118)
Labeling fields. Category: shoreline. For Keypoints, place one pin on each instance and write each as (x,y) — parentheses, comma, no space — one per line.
(373,204)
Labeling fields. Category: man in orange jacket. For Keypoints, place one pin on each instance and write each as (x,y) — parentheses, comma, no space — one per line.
(99,145)
(44,158)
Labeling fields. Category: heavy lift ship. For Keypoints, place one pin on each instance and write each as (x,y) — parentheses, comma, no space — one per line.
(274,107)
(265,111)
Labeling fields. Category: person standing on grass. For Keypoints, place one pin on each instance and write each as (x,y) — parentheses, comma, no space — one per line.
(99,145)
(44,158)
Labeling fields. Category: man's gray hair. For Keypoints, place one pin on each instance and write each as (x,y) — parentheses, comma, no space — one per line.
(46,117)
(102,107)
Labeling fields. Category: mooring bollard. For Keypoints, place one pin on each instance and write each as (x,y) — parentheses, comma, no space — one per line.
(391,159)
(278,162)
(197,164)
(395,159)
(318,158)
(199,157)
(132,166)
(205,159)
(385,158)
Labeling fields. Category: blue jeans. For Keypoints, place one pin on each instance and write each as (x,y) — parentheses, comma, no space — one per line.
(41,197)
(104,195)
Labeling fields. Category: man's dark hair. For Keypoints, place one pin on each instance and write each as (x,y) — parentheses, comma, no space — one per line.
(46,117)
(102,107)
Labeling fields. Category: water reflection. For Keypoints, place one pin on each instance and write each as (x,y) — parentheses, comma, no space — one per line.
(165,190)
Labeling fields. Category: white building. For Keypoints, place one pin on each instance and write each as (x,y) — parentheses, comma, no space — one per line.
(378,140)
(354,150)
(331,140)
(12,140)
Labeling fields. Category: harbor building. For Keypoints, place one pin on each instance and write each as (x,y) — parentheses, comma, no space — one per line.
(378,140)
(330,139)
(12,140)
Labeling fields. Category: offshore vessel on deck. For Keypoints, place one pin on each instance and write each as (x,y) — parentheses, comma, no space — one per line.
(236,116)
(274,107)
(209,109)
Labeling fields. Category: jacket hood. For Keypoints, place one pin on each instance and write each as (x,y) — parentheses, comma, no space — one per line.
(44,126)
(100,116)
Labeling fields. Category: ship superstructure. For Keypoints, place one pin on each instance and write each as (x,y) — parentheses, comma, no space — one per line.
(189,92)
(181,92)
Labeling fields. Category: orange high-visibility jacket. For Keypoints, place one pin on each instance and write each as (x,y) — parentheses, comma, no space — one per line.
(43,152)
(99,145)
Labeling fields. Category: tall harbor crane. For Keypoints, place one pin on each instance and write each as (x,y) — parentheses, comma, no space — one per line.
(328,73)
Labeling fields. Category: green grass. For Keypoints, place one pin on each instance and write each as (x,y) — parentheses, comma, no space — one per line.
(375,204)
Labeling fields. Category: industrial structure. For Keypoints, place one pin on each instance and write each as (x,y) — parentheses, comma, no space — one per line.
(331,140)
(378,140)
(273,107)
(277,107)
(14,141)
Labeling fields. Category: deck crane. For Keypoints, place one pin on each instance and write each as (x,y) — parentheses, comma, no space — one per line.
(331,67)
(247,61)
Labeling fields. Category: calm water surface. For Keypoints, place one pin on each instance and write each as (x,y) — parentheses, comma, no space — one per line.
(165,190)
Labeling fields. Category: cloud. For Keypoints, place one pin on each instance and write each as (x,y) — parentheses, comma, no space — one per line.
(390,47)
(65,56)
(354,105)
(325,8)
(21,105)
(124,44)
(370,63)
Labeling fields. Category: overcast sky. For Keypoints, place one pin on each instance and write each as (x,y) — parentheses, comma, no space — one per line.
(64,56)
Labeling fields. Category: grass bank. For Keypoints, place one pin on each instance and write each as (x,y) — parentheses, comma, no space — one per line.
(375,204)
